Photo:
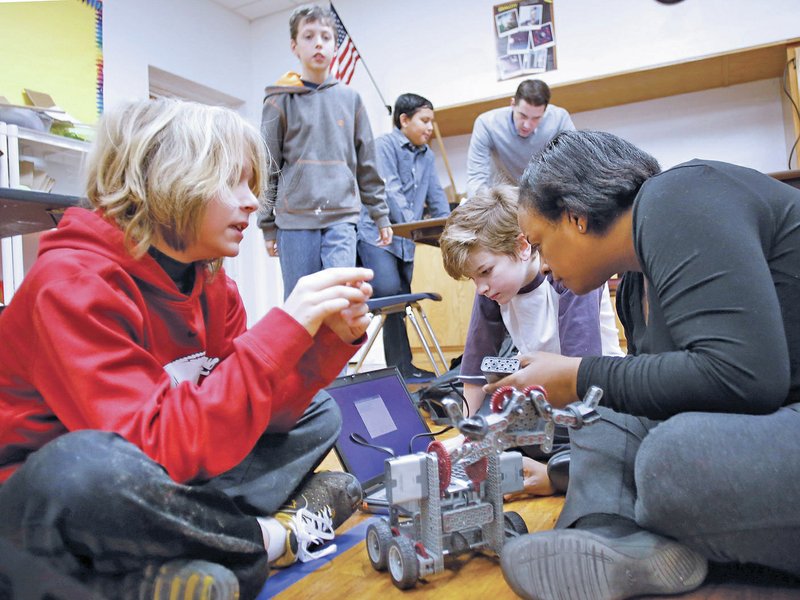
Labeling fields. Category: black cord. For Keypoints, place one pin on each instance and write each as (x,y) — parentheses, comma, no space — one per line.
(621,428)
(794,104)
(357,438)
(429,434)
(453,387)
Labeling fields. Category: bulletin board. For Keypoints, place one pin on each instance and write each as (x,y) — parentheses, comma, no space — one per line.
(524,38)
(54,47)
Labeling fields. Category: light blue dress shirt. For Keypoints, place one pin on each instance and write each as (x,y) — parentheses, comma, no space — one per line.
(409,174)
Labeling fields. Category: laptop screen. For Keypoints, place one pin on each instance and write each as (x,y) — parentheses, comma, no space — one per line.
(377,406)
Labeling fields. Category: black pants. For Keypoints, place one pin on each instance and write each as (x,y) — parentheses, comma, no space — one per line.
(101,511)
(392,277)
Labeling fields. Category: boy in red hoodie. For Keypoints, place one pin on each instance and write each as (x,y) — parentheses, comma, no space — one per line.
(140,422)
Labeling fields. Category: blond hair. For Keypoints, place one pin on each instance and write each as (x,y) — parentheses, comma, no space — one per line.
(155,165)
(487,221)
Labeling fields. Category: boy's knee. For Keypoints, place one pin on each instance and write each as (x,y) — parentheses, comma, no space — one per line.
(326,414)
(80,467)
(329,407)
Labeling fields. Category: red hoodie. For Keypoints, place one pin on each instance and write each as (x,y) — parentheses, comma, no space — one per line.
(95,339)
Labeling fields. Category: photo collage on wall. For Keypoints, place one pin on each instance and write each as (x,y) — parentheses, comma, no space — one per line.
(525,36)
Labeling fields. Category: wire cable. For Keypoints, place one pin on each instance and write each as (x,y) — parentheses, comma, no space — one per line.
(788,93)
(458,393)
(428,434)
(621,428)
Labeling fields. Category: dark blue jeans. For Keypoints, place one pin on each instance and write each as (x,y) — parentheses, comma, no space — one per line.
(392,276)
(101,511)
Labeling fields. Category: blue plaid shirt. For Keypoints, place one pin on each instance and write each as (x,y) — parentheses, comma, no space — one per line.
(412,186)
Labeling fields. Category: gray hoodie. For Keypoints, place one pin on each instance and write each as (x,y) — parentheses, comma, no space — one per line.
(323,165)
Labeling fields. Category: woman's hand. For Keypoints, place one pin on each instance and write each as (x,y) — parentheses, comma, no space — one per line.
(557,374)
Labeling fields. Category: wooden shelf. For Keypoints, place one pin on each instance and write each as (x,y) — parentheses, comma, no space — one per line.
(719,70)
(791,177)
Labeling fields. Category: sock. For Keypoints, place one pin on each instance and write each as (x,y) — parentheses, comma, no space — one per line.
(274,537)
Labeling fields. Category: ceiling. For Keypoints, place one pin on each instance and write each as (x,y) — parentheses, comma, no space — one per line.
(254,9)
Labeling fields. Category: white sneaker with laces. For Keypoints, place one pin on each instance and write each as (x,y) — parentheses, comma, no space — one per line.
(305,530)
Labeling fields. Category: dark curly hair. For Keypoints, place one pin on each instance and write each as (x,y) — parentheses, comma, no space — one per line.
(592,174)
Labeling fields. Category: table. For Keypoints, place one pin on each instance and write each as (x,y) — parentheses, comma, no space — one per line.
(426,231)
(23,211)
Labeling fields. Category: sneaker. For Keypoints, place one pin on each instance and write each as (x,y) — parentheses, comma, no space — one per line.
(578,565)
(190,580)
(321,505)
(306,533)
(417,375)
(339,492)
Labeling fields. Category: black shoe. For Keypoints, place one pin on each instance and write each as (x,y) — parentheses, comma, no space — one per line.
(558,471)
(417,375)
(580,565)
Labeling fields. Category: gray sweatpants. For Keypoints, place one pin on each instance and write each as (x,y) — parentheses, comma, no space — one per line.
(726,485)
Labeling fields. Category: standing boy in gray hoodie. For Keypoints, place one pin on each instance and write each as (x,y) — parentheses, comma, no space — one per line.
(323,159)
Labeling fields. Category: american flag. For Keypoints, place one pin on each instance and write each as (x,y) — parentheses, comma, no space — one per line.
(343,64)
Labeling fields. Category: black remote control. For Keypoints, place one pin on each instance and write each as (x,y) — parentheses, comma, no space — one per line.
(497,367)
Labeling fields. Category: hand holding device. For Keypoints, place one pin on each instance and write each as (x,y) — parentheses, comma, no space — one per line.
(495,368)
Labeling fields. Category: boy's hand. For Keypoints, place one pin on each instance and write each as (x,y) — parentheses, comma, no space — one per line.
(336,297)
(557,374)
(535,480)
(272,247)
(386,236)
(352,322)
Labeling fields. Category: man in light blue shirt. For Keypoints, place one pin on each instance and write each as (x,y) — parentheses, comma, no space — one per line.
(406,164)
(504,139)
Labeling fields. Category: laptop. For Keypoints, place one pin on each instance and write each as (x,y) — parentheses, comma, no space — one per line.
(376,408)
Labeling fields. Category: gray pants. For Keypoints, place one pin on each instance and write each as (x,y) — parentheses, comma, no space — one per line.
(726,485)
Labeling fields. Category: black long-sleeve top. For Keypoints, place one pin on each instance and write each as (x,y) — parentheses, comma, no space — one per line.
(719,247)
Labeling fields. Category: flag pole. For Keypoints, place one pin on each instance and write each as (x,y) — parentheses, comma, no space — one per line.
(363,62)
(438,137)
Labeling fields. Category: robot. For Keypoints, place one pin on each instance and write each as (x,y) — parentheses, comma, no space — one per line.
(445,503)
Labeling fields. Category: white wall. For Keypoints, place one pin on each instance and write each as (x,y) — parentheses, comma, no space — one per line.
(445,50)
(194,39)
(742,124)
(199,41)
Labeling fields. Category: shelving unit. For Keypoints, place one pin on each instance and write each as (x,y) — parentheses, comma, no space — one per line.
(62,158)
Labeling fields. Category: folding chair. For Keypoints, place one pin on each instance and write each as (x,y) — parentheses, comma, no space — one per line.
(408,303)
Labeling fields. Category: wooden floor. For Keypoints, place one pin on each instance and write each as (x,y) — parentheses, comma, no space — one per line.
(350,575)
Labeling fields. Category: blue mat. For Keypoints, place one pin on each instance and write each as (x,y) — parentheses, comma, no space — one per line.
(279,580)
